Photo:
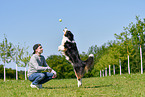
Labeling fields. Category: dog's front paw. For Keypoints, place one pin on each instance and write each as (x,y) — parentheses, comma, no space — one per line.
(60,48)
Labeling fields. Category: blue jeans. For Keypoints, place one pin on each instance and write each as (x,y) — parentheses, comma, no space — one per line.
(40,78)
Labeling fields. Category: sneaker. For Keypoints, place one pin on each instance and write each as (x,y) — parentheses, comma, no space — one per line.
(34,86)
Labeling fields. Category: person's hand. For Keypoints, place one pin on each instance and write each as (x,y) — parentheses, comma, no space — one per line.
(48,69)
(54,76)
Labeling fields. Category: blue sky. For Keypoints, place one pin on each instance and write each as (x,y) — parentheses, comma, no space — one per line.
(93,22)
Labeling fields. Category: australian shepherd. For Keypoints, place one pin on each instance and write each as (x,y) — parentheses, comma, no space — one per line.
(70,51)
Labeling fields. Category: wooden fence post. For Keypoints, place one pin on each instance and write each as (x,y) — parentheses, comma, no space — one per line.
(103,72)
(114,69)
(141,60)
(16,72)
(120,66)
(106,71)
(109,70)
(100,73)
(128,65)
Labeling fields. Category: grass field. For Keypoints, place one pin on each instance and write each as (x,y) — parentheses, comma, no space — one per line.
(132,85)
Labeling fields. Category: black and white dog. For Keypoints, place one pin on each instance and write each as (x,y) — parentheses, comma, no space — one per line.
(70,51)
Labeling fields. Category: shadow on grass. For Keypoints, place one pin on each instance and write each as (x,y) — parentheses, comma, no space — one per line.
(98,86)
(57,87)
(63,87)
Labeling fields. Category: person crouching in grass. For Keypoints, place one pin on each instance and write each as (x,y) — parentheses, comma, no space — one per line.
(38,64)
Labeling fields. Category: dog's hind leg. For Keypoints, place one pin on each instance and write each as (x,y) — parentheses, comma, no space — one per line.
(79,79)
(79,82)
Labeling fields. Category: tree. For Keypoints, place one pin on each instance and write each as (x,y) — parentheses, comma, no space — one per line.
(1,71)
(127,44)
(18,52)
(138,32)
(25,59)
(63,68)
(6,53)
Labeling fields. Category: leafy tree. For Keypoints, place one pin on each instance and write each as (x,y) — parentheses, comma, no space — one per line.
(1,71)
(61,66)
(25,60)
(6,53)
(18,52)
(10,73)
(131,43)
(124,37)
(138,32)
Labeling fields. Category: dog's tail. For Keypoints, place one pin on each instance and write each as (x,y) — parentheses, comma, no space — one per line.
(89,62)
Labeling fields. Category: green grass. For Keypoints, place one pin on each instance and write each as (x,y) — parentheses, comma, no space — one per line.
(126,85)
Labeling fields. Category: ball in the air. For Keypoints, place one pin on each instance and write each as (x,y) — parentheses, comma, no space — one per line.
(60,20)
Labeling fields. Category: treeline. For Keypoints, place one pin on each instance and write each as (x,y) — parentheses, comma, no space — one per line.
(13,53)
(11,74)
(125,48)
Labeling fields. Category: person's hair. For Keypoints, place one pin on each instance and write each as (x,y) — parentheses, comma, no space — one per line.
(35,47)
